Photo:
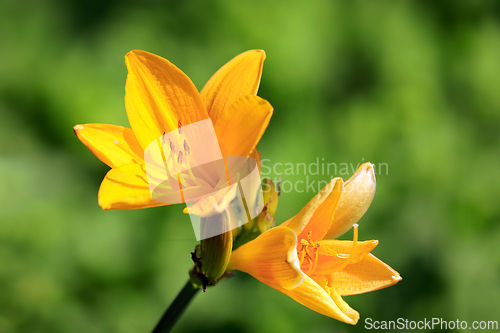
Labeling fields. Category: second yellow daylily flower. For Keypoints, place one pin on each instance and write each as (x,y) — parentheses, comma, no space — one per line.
(299,259)
(159,98)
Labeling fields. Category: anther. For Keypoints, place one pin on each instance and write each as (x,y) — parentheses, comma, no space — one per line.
(350,258)
(313,264)
(179,125)
(172,146)
(179,158)
(186,148)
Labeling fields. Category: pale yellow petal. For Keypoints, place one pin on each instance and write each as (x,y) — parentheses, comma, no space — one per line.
(114,145)
(159,97)
(300,221)
(239,77)
(357,195)
(312,295)
(367,275)
(242,124)
(271,258)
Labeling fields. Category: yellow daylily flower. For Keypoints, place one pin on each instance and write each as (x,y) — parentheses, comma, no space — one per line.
(298,258)
(159,98)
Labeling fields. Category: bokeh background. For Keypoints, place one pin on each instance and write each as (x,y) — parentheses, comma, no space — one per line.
(414,84)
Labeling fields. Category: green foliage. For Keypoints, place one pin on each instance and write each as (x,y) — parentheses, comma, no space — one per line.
(412,84)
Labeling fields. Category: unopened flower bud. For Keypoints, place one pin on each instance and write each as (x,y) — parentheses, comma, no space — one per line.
(216,250)
(266,218)
(357,195)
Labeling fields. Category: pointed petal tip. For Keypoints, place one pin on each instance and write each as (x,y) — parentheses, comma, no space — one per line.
(134,53)
(364,168)
(129,55)
(261,52)
(353,318)
(76,128)
(257,52)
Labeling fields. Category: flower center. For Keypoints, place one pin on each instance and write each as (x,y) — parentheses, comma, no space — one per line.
(177,157)
(309,252)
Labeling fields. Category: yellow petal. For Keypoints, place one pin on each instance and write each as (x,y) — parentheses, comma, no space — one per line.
(271,258)
(334,253)
(239,77)
(322,218)
(126,187)
(159,97)
(367,275)
(300,221)
(241,126)
(357,195)
(114,145)
(312,295)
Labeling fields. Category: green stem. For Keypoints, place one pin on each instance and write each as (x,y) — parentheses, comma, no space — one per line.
(176,309)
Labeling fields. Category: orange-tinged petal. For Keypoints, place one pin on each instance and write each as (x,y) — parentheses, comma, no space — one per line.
(357,195)
(312,295)
(242,124)
(114,145)
(334,253)
(271,258)
(367,275)
(159,97)
(300,221)
(239,77)
(322,218)
(126,187)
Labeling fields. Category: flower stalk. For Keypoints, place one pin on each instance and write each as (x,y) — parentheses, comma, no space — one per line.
(176,309)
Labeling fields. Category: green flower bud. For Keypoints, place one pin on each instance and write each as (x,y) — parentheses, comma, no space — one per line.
(216,250)
(266,218)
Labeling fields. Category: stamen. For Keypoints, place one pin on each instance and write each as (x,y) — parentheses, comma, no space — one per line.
(179,125)
(302,255)
(312,258)
(353,250)
(186,148)
(302,251)
(179,158)
(312,266)
(172,146)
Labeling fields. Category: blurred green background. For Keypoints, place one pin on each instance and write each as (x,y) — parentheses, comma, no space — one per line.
(414,84)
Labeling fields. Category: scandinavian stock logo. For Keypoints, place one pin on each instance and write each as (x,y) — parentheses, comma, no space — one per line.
(186,165)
